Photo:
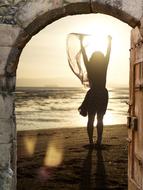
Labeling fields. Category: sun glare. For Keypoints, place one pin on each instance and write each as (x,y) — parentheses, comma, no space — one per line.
(95,43)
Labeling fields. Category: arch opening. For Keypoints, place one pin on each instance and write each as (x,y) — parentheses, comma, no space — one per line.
(98,160)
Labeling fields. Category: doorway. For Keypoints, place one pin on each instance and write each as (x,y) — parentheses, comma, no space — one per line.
(118,96)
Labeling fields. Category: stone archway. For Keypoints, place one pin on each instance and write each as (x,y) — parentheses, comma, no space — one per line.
(19,21)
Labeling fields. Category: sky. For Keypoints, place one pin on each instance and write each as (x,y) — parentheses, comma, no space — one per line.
(43,61)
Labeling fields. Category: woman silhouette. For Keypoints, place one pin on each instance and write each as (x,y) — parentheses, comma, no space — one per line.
(96,99)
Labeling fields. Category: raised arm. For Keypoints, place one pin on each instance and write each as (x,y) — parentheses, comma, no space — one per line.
(108,49)
(85,58)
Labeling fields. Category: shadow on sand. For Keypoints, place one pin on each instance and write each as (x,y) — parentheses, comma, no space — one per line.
(93,174)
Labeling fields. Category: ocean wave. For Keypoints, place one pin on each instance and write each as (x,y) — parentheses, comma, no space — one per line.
(38,119)
(58,107)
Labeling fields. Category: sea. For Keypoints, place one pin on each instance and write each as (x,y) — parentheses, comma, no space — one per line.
(57,107)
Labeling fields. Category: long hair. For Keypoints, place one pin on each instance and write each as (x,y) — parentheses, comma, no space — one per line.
(97,57)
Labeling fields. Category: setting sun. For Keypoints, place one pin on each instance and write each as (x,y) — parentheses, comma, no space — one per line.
(95,43)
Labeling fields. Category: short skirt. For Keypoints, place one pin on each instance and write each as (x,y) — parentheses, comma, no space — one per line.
(94,102)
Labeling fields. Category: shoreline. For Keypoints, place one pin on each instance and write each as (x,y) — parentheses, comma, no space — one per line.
(61,128)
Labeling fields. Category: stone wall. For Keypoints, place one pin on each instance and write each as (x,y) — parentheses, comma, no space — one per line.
(19,21)
(25,11)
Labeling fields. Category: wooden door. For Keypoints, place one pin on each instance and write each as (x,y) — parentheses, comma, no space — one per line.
(135,119)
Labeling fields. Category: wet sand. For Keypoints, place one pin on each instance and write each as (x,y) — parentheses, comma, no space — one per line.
(57,159)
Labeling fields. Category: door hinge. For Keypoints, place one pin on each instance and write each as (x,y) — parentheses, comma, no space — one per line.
(139,87)
(132,123)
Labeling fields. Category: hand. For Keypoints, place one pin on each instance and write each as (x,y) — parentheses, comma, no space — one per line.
(81,36)
(109,38)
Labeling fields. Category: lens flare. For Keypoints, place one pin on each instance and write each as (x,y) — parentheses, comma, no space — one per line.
(54,153)
(30,143)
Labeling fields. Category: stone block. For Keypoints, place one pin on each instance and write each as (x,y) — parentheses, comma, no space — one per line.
(133,8)
(109,2)
(6,105)
(77,7)
(8,34)
(113,7)
(7,130)
(13,60)
(6,179)
(22,40)
(34,8)
(75,1)
(5,150)
(7,84)
(5,2)
(10,83)
(126,11)
(3,8)
(4,53)
(14,162)
(17,1)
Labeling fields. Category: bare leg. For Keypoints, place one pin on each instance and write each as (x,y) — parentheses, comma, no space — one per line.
(90,126)
(99,128)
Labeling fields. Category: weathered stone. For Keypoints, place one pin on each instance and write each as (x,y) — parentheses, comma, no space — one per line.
(8,34)
(17,1)
(6,106)
(8,9)
(27,11)
(3,10)
(141,26)
(22,39)
(6,179)
(6,2)
(4,53)
(13,61)
(118,9)
(43,20)
(10,83)
(5,150)
(8,20)
(65,2)
(133,8)
(77,7)
(7,84)
(7,130)
(14,161)
(2,83)
(32,8)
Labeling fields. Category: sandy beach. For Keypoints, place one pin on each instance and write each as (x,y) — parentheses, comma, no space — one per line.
(57,159)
